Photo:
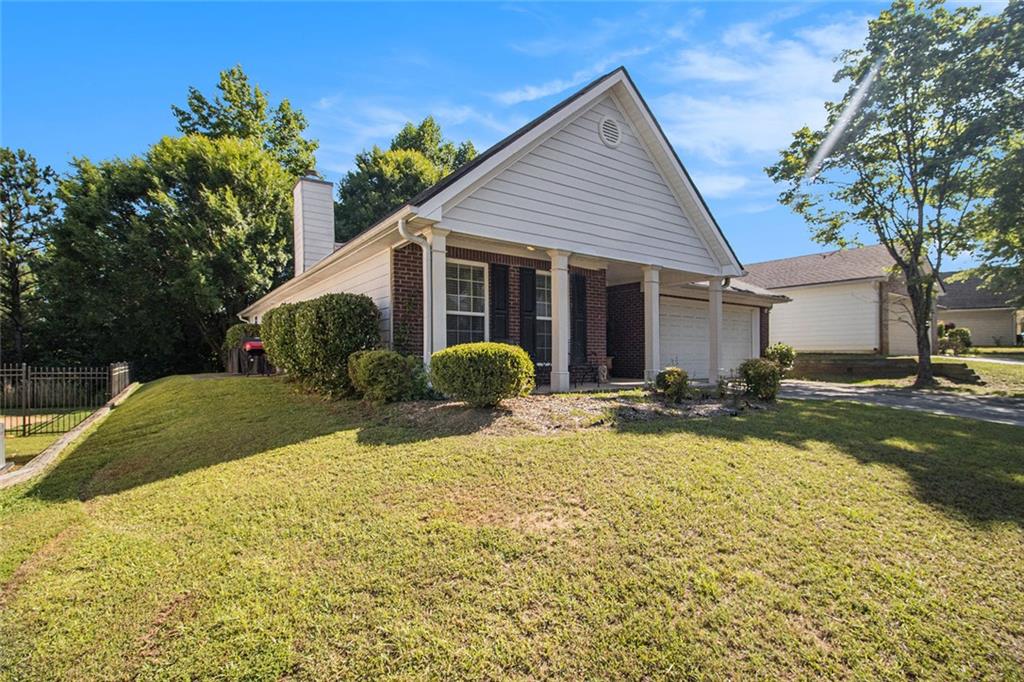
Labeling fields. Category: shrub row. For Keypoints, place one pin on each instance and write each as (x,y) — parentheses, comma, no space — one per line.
(384,376)
(313,340)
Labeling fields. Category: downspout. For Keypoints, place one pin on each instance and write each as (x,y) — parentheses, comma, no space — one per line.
(428,279)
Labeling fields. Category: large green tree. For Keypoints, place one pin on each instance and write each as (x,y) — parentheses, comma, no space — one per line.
(27,208)
(383,180)
(1000,223)
(908,166)
(243,110)
(155,255)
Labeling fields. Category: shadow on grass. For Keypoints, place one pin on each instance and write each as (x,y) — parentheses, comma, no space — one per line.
(179,424)
(968,469)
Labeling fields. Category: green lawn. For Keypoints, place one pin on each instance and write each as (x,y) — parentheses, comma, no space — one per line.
(997,379)
(21,449)
(231,528)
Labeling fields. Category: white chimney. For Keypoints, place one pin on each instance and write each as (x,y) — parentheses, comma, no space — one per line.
(314,222)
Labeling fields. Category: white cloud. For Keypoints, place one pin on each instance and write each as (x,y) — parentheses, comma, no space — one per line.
(746,92)
(719,185)
(528,93)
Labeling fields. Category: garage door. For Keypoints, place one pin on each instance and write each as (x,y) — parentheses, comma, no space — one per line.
(684,335)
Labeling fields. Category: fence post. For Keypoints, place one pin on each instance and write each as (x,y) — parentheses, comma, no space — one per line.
(26,398)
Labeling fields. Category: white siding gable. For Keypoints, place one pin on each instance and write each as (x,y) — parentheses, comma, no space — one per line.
(573,192)
(371,276)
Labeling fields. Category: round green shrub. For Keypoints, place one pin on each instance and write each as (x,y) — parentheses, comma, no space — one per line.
(234,335)
(957,340)
(673,383)
(327,330)
(782,354)
(482,374)
(384,376)
(762,377)
(278,338)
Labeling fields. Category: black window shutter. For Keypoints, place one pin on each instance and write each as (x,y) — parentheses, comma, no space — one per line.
(528,310)
(578,316)
(499,302)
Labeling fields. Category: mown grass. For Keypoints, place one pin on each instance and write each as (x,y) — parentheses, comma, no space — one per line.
(234,529)
(997,379)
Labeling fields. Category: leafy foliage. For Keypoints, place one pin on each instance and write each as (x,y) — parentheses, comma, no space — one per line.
(242,110)
(909,165)
(27,209)
(383,180)
(328,330)
(384,376)
(781,353)
(278,329)
(762,377)
(155,255)
(482,374)
(673,383)
(956,340)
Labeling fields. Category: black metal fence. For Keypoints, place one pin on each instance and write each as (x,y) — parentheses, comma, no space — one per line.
(41,400)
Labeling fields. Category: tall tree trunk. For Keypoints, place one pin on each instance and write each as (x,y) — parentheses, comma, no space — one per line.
(920,291)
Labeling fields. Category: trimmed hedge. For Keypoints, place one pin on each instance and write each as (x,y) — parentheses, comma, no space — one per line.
(957,340)
(327,330)
(673,383)
(279,338)
(482,374)
(762,377)
(234,335)
(384,376)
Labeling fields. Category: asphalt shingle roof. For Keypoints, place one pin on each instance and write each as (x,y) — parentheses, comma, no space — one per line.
(969,293)
(821,268)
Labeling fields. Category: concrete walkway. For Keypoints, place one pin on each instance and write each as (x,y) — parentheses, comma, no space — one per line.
(982,358)
(983,407)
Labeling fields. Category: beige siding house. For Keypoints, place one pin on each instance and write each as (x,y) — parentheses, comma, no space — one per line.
(580,237)
(846,301)
(990,315)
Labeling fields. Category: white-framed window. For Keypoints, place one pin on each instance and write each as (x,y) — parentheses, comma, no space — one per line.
(543,329)
(466,301)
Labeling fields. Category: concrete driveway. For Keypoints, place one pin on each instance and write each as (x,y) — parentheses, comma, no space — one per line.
(986,408)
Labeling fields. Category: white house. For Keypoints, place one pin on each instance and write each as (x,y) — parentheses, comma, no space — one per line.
(845,301)
(579,237)
(990,314)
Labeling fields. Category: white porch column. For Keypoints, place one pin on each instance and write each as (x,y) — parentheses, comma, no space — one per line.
(714,328)
(559,320)
(652,322)
(437,317)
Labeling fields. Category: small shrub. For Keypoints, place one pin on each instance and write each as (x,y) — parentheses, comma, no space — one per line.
(956,341)
(328,329)
(762,377)
(234,335)
(673,383)
(382,376)
(482,374)
(782,354)
(278,338)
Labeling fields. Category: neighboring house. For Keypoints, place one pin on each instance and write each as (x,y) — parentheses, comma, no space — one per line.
(579,236)
(993,321)
(845,301)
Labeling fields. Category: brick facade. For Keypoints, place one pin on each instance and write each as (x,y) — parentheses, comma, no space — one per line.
(763,319)
(407,311)
(407,299)
(626,330)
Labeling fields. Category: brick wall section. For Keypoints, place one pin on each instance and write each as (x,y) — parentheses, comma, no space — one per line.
(407,299)
(626,330)
(597,325)
(763,318)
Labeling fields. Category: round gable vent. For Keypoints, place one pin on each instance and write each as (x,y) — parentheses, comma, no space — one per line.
(610,132)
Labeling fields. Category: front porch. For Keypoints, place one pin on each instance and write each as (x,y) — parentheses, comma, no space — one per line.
(561,307)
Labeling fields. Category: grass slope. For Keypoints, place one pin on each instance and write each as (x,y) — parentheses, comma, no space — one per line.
(230,528)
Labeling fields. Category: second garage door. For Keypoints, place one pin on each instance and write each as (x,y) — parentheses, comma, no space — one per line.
(684,335)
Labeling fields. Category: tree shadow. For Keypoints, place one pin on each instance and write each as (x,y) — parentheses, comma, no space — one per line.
(970,470)
(404,423)
(175,425)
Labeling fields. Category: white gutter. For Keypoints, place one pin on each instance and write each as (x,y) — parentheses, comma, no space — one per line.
(428,287)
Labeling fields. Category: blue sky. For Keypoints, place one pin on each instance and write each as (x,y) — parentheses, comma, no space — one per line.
(728,81)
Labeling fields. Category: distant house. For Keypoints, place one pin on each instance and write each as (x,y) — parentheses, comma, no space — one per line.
(990,316)
(845,301)
(578,237)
